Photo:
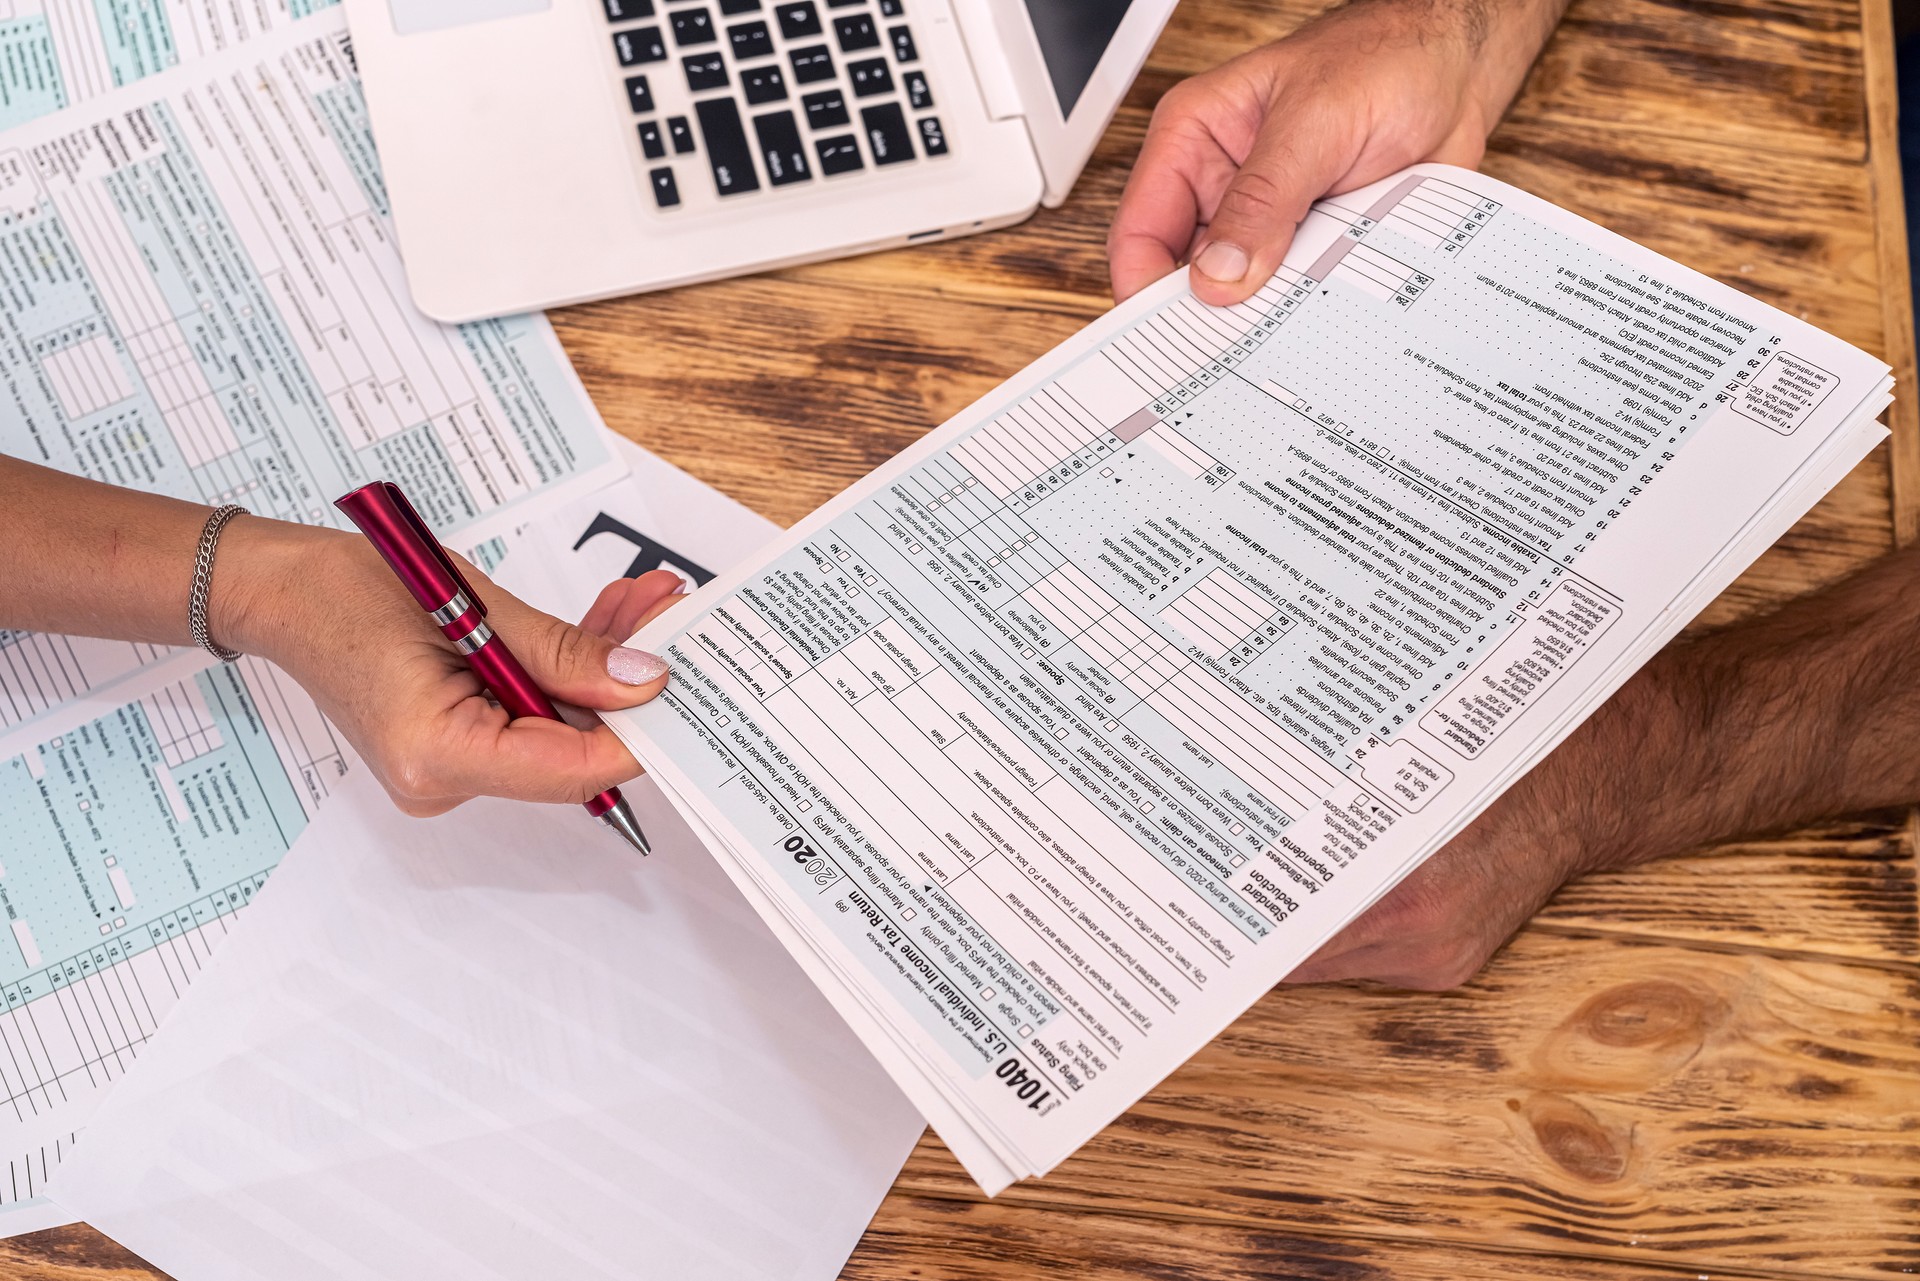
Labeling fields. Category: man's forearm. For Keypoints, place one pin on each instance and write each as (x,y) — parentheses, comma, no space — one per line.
(1774,722)
(1500,38)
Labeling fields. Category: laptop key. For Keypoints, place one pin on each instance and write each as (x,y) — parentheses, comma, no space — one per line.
(798,21)
(825,109)
(902,41)
(918,94)
(731,7)
(680,134)
(932,140)
(705,71)
(639,97)
(627,10)
(811,64)
(870,77)
(727,149)
(764,84)
(651,142)
(781,150)
(666,192)
(838,155)
(641,45)
(841,4)
(891,8)
(855,32)
(887,134)
(693,26)
(750,40)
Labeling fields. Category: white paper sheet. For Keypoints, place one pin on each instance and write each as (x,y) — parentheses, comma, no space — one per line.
(496,1045)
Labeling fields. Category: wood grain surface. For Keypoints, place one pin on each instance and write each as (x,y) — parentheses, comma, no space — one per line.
(1705,1067)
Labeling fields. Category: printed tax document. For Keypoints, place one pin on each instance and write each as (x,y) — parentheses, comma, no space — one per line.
(200,296)
(496,1044)
(1056,742)
(54,53)
(130,842)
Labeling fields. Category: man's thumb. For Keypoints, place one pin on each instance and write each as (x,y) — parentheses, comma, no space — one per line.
(1289,168)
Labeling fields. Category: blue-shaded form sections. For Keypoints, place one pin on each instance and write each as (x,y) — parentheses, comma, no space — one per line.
(285,453)
(344,111)
(220,310)
(137,37)
(489,554)
(30,84)
(135,34)
(178,804)
(267,437)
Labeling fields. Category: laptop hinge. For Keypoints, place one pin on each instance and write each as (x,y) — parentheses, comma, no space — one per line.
(988,53)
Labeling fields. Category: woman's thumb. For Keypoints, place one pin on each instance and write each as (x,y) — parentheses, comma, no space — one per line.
(574,665)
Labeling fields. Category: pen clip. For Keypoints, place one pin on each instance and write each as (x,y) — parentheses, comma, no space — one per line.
(432,544)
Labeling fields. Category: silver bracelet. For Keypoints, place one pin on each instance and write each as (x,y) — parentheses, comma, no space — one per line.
(203,583)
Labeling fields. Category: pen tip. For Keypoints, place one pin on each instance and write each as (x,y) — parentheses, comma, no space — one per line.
(620,819)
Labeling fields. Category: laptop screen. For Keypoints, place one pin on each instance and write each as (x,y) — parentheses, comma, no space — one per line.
(1073,34)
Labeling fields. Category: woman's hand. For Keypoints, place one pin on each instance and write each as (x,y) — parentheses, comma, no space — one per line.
(1234,157)
(324,606)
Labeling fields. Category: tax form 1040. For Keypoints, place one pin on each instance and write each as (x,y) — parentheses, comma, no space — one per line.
(1051,746)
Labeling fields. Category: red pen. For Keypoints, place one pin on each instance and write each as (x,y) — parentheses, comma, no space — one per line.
(396,531)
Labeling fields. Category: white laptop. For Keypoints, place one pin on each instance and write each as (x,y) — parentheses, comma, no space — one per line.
(540,152)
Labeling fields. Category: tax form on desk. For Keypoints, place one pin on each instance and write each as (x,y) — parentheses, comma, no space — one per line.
(199,296)
(55,53)
(202,298)
(1059,740)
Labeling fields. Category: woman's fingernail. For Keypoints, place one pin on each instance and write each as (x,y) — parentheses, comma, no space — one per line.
(634,666)
(1222,261)
(682,588)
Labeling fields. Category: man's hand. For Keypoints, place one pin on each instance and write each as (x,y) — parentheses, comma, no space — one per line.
(1438,927)
(1234,157)
(1768,724)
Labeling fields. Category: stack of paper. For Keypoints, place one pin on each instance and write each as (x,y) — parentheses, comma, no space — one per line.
(1059,740)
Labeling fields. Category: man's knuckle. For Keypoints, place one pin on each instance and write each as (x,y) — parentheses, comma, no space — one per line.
(1452,966)
(1412,916)
(1253,196)
(1175,101)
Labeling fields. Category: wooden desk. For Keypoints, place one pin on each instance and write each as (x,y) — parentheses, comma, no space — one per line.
(1706,1067)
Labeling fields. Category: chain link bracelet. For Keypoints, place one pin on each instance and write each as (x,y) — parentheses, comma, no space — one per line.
(203,583)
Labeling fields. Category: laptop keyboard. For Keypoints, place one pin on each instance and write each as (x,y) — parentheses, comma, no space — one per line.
(750,96)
